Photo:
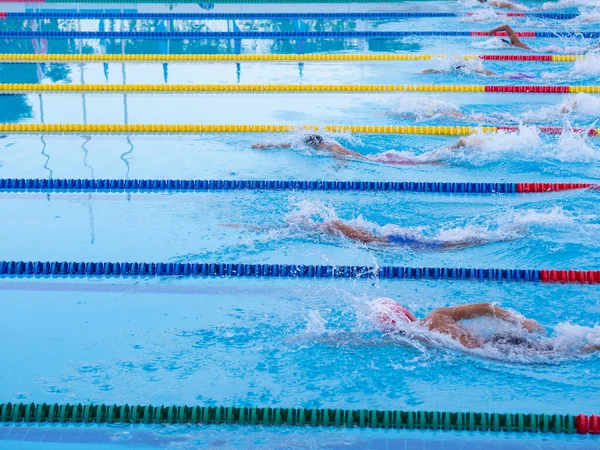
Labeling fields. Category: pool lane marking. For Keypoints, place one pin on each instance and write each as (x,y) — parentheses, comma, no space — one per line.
(178,129)
(136,15)
(105,88)
(291,35)
(51,269)
(29,185)
(90,414)
(57,57)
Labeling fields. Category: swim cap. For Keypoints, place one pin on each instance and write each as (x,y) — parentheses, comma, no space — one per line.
(312,140)
(388,314)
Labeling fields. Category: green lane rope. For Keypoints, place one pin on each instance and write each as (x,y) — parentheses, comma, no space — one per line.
(326,417)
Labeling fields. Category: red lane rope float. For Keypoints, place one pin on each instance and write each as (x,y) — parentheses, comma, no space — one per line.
(530,89)
(549,58)
(570,276)
(587,424)
(525,188)
(554,130)
(525,34)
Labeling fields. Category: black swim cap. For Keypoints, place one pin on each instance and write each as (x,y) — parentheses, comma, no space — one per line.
(312,140)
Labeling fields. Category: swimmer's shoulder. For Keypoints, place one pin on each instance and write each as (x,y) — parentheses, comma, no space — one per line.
(436,317)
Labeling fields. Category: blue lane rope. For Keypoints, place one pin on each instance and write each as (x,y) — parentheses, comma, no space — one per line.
(138,270)
(263,34)
(253,15)
(106,185)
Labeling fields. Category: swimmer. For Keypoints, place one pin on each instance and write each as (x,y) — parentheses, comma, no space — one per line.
(317,142)
(505,5)
(359,234)
(463,68)
(390,316)
(514,39)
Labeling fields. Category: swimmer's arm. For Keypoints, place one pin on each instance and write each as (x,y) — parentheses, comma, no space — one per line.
(337,149)
(504,5)
(514,39)
(475,310)
(433,71)
(442,324)
(264,146)
(354,233)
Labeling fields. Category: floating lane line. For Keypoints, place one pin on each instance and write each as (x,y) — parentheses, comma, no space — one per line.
(45,185)
(323,57)
(135,15)
(52,269)
(280,34)
(132,414)
(10,88)
(179,129)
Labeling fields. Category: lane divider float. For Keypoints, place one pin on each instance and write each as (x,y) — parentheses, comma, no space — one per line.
(46,185)
(9,88)
(158,57)
(179,129)
(135,15)
(280,34)
(112,414)
(50,269)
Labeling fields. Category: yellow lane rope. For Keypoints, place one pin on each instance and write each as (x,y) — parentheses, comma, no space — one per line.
(31,57)
(9,88)
(29,128)
(174,88)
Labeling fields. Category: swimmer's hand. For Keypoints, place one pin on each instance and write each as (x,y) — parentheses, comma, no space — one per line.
(260,146)
(533,326)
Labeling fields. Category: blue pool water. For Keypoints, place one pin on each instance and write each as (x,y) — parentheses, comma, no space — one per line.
(308,343)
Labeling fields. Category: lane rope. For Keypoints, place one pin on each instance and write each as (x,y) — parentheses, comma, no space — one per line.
(95,414)
(212,2)
(140,185)
(36,57)
(50,269)
(134,15)
(4,34)
(278,88)
(178,129)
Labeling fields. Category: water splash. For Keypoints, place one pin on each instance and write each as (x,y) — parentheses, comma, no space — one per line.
(586,67)
(586,16)
(525,145)
(570,4)
(421,108)
(494,42)
(484,15)
(308,215)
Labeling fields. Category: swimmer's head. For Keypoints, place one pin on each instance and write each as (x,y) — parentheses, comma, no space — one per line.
(389,315)
(312,140)
(458,67)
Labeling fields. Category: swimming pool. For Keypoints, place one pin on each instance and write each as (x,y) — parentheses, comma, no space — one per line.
(288,342)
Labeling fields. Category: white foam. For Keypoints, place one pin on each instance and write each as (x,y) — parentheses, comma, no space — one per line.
(483,15)
(494,42)
(575,147)
(570,338)
(525,144)
(582,103)
(420,107)
(570,3)
(588,66)
(315,324)
(586,16)
(481,148)
(510,224)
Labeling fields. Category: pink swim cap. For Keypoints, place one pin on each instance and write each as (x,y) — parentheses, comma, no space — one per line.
(389,314)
